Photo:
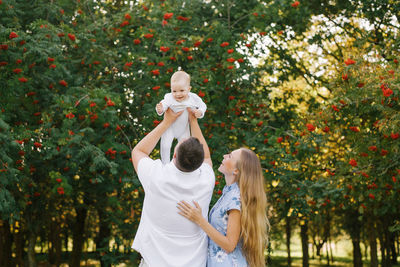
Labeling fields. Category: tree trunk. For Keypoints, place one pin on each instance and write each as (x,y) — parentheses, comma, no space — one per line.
(373,246)
(357,257)
(58,248)
(397,239)
(54,243)
(66,241)
(78,236)
(288,237)
(387,262)
(329,248)
(366,248)
(19,248)
(382,248)
(384,242)
(31,248)
(50,244)
(103,237)
(392,238)
(355,238)
(327,235)
(353,226)
(304,243)
(318,247)
(6,241)
(328,262)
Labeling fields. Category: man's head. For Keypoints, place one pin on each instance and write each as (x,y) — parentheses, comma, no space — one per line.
(180,85)
(189,154)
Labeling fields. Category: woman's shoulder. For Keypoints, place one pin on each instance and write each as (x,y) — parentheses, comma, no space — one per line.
(234,197)
(232,189)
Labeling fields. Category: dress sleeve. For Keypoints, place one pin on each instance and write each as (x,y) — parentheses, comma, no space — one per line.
(234,202)
(146,170)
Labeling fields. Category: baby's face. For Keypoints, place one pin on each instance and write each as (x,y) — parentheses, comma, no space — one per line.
(180,90)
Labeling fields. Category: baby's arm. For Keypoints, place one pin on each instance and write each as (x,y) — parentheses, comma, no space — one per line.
(201,106)
(159,108)
(163,105)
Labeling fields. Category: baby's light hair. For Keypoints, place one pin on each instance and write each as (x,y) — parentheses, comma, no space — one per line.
(179,75)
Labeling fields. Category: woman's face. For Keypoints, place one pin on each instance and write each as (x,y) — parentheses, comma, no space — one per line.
(228,164)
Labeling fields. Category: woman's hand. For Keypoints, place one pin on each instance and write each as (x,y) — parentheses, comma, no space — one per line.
(189,212)
(228,241)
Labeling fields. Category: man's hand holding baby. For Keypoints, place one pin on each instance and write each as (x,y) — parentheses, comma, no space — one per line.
(197,113)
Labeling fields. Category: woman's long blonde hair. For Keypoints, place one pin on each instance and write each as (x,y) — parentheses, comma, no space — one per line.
(254,221)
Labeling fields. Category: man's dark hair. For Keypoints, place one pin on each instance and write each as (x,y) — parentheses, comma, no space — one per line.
(189,155)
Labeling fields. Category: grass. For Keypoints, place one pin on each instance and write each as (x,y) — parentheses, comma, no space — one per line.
(276,261)
(341,248)
(297,262)
(342,254)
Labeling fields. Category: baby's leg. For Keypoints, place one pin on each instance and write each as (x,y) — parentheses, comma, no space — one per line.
(181,125)
(165,145)
(184,134)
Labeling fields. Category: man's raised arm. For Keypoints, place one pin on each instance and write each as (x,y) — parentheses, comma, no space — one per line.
(196,132)
(147,144)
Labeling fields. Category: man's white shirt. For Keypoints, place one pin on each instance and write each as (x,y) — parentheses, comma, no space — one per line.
(165,238)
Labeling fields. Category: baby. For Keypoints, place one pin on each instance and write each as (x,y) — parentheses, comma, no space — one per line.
(179,99)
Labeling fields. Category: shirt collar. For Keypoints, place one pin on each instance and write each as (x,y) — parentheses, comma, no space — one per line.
(228,188)
(173,166)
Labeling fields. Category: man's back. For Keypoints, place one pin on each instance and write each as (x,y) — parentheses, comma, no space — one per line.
(165,238)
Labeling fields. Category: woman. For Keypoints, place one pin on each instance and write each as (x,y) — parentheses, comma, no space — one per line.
(238,225)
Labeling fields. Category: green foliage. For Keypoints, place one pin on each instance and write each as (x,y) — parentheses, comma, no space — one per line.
(80,81)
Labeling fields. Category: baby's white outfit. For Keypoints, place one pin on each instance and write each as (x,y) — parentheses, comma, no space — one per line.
(180,128)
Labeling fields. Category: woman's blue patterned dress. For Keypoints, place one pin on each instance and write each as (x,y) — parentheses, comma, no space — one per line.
(218,218)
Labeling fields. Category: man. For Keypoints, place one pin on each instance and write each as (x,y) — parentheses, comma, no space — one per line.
(164,238)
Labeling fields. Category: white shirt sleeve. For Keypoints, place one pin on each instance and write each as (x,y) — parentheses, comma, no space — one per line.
(146,171)
(210,171)
(166,103)
(198,102)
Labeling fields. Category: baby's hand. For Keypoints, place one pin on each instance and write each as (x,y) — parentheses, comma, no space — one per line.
(159,108)
(198,113)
